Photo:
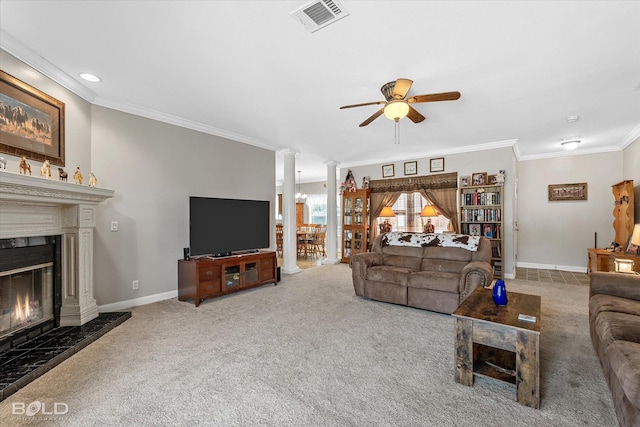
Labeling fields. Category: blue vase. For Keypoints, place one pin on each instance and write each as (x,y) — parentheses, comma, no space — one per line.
(500,293)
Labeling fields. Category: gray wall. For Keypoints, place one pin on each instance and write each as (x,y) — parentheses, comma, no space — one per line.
(557,234)
(154,168)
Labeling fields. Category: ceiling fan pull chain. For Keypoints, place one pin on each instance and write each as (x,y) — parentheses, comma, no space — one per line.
(397,131)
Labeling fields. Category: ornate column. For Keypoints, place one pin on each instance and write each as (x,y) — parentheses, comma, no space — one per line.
(289,245)
(78,304)
(332,214)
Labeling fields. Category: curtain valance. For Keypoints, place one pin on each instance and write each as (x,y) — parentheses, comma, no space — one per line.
(410,184)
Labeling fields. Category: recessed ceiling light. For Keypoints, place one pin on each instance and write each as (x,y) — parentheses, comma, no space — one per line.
(573,118)
(90,77)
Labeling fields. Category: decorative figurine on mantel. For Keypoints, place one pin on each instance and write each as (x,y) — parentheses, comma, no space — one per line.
(24,166)
(45,170)
(77,176)
(62,174)
(93,181)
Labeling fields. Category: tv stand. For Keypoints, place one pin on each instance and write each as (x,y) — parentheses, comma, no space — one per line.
(207,277)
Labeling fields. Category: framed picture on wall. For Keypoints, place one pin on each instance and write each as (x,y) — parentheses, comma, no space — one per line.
(567,191)
(410,168)
(465,180)
(33,122)
(436,165)
(387,171)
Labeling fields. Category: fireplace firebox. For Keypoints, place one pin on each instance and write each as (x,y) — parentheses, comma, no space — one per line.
(29,288)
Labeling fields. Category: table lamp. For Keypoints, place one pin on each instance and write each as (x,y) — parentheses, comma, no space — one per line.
(635,238)
(386,213)
(428,212)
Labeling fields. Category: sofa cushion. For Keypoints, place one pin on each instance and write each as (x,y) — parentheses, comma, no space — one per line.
(402,261)
(600,303)
(611,326)
(445,265)
(435,280)
(453,254)
(624,359)
(389,274)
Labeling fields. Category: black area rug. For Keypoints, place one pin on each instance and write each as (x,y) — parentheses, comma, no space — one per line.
(27,361)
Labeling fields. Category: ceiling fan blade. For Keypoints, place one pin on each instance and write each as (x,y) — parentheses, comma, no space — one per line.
(445,96)
(401,88)
(373,117)
(362,105)
(414,115)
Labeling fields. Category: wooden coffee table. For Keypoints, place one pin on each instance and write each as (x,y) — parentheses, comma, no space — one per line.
(491,342)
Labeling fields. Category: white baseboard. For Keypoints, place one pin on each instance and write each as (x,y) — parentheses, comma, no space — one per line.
(123,305)
(571,268)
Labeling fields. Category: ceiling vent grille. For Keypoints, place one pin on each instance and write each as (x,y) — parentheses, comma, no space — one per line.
(319,14)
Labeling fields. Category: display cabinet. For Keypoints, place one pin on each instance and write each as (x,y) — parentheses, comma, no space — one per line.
(481,209)
(355,223)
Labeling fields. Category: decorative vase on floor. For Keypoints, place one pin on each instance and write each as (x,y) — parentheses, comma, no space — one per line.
(500,293)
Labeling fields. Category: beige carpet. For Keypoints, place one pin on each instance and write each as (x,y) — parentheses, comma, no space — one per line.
(309,352)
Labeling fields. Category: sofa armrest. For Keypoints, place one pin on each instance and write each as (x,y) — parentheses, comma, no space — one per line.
(474,275)
(359,264)
(621,285)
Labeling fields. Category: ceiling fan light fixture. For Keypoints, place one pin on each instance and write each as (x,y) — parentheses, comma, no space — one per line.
(396,109)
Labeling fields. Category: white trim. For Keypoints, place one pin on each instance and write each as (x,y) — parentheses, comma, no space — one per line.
(633,135)
(184,123)
(123,305)
(571,268)
(38,63)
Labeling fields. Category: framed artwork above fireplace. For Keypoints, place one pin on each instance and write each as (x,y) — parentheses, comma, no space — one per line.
(31,122)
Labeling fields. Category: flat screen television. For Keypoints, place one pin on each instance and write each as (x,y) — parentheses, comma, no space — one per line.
(218,227)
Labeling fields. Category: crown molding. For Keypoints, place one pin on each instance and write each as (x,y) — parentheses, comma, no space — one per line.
(632,136)
(457,150)
(188,124)
(565,153)
(40,64)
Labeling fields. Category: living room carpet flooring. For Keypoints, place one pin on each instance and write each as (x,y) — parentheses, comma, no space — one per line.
(310,352)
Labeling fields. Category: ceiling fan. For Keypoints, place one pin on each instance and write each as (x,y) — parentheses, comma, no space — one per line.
(396,106)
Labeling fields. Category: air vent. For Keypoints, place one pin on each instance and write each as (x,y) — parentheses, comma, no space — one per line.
(319,14)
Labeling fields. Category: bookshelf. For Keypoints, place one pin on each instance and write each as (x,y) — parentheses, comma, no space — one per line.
(481,214)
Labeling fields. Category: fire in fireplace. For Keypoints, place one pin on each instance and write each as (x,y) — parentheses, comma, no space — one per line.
(28,287)
(26,297)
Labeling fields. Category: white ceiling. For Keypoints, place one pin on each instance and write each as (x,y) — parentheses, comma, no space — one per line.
(247,70)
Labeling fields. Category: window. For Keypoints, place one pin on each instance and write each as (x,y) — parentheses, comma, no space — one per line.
(407,209)
(317,204)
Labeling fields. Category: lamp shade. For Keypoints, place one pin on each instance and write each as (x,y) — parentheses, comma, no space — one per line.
(387,212)
(635,237)
(396,109)
(429,211)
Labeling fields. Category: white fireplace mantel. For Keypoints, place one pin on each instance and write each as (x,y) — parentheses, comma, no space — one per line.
(32,206)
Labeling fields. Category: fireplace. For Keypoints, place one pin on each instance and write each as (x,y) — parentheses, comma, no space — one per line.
(29,288)
(32,207)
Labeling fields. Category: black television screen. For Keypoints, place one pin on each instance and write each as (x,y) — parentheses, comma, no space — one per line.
(220,226)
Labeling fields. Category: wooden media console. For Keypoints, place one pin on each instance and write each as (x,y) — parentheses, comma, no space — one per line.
(208,277)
